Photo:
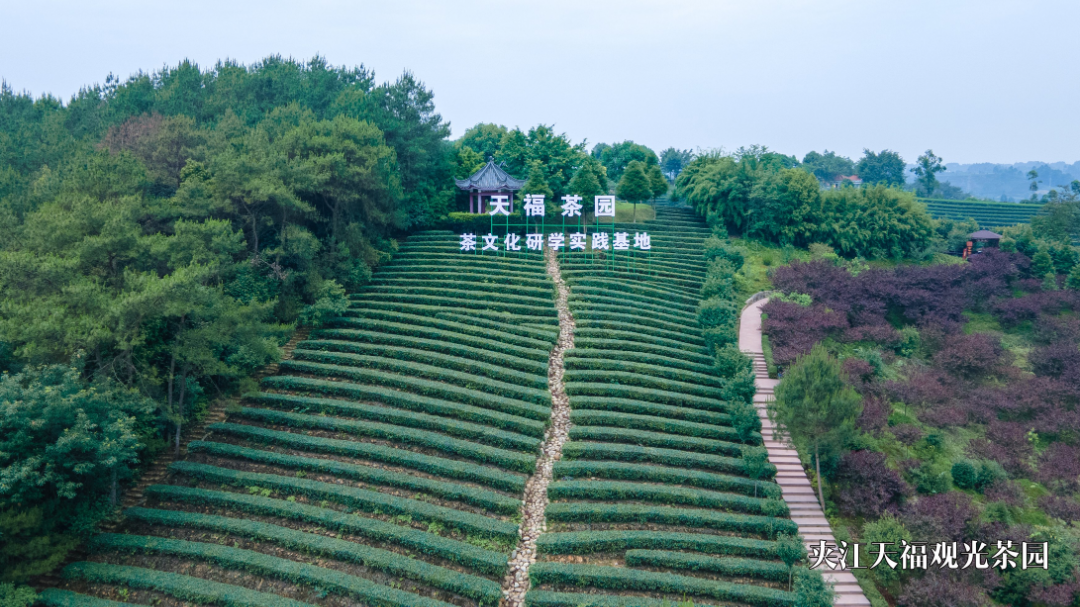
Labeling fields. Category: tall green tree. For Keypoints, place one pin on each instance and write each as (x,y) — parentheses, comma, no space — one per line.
(827,166)
(673,161)
(657,181)
(885,168)
(586,185)
(537,183)
(815,408)
(616,158)
(926,169)
(634,186)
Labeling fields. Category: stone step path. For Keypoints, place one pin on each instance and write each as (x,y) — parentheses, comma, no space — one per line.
(794,484)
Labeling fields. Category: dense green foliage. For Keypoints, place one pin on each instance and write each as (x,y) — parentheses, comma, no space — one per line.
(758,195)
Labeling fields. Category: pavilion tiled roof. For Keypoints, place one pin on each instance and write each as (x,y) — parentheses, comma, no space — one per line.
(491,177)
(984,235)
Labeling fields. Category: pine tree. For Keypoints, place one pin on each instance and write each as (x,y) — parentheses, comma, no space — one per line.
(537,184)
(1073,281)
(586,185)
(634,187)
(657,181)
(1042,263)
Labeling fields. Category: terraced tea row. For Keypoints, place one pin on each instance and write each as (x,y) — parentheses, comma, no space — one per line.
(384,465)
(653,499)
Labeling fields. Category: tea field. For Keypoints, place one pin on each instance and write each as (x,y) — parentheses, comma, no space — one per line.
(986,214)
(385,463)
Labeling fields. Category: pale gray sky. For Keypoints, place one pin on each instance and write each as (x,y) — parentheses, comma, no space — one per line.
(977,81)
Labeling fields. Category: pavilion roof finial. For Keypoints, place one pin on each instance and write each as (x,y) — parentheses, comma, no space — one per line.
(490,178)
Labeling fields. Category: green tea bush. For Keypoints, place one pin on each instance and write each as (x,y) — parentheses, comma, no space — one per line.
(655,439)
(392,359)
(585,542)
(615,490)
(265,564)
(183,587)
(740,388)
(628,405)
(620,578)
(662,474)
(665,319)
(628,378)
(727,566)
(669,457)
(437,466)
(482,498)
(634,336)
(658,370)
(425,388)
(651,395)
(643,349)
(363,499)
(476,558)
(409,402)
(648,422)
(421,438)
(577,512)
(467,300)
(54,597)
(400,346)
(452,385)
(435,328)
(435,337)
(718,313)
(386,561)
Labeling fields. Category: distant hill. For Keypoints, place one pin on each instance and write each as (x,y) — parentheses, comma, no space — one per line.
(1006,182)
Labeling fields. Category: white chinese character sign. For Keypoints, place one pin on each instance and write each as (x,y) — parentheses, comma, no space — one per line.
(618,247)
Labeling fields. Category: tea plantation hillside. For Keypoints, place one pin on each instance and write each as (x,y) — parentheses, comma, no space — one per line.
(986,214)
(651,501)
(383,466)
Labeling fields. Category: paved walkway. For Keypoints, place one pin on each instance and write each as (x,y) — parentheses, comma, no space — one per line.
(796,488)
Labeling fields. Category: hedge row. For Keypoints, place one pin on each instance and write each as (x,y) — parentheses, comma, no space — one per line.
(634,513)
(473,557)
(649,331)
(428,464)
(443,361)
(588,417)
(647,294)
(422,270)
(627,405)
(585,542)
(272,566)
(410,418)
(547,327)
(666,494)
(512,460)
(590,313)
(499,321)
(520,294)
(362,499)
(434,381)
(635,336)
(183,587)
(676,280)
(54,597)
(397,335)
(663,474)
(621,578)
(651,395)
(392,563)
(435,328)
(482,498)
(666,305)
(482,303)
(654,439)
(630,378)
(456,258)
(604,343)
(655,369)
(402,346)
(574,450)
(430,388)
(601,356)
(730,566)
(544,598)
(612,311)
(494,277)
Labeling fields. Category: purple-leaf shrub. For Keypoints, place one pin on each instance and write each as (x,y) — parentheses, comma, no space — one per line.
(1059,468)
(909,434)
(1007,444)
(1056,359)
(858,372)
(867,486)
(923,388)
(940,588)
(875,413)
(1060,507)
(939,517)
(971,356)
(793,329)
(1004,490)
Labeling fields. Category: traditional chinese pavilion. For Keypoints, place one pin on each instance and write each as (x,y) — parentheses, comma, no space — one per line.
(489,181)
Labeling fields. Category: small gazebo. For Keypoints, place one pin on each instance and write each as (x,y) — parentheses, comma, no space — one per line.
(985,237)
(491,180)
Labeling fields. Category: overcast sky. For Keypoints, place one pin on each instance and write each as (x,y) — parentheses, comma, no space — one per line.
(977,81)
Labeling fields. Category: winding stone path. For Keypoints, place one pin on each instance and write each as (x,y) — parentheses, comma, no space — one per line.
(796,487)
(535,501)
